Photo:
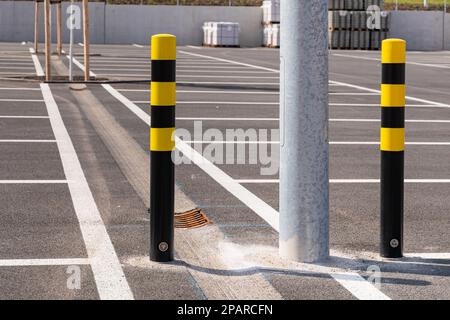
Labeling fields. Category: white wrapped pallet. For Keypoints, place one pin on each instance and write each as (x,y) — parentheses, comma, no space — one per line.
(271,11)
(223,34)
(206,33)
(275,36)
(267,35)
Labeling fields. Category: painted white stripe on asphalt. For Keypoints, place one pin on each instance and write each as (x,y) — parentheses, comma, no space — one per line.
(425,101)
(33,181)
(21,68)
(43,262)
(23,117)
(226,119)
(377,105)
(353,94)
(378,120)
(347,181)
(143,75)
(21,89)
(26,141)
(137,45)
(430,255)
(37,64)
(218,102)
(229,61)
(17,73)
(331,142)
(358,286)
(205,91)
(106,268)
(21,100)
(407,62)
(331,120)
(231,83)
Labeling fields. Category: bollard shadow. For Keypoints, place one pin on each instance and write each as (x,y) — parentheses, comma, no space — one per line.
(267,272)
(410,266)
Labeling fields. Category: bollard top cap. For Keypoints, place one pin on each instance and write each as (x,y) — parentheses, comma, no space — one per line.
(164,47)
(393,51)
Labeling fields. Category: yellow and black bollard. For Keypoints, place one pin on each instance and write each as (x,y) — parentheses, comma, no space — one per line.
(392,146)
(162,169)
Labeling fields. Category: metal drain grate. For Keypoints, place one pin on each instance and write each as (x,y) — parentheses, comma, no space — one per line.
(191,219)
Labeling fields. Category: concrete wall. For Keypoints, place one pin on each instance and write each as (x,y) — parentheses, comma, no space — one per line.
(423,30)
(183,21)
(119,24)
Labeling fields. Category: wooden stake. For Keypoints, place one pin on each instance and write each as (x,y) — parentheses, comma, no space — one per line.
(86,39)
(36,26)
(47,41)
(58,28)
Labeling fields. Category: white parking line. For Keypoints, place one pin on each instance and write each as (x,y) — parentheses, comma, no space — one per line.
(407,62)
(17,73)
(33,181)
(225,119)
(353,94)
(377,105)
(229,61)
(20,89)
(230,83)
(430,255)
(346,181)
(43,262)
(17,68)
(425,101)
(106,268)
(143,75)
(137,45)
(206,91)
(361,143)
(218,102)
(26,141)
(21,100)
(23,117)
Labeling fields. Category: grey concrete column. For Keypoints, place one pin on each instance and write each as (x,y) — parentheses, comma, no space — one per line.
(304,187)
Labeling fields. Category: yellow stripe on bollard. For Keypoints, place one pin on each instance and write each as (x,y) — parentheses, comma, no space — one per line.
(393,95)
(163,93)
(164,47)
(393,51)
(392,139)
(162,139)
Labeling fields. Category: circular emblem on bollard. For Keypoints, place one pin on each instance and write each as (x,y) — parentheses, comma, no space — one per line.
(394,243)
(163,246)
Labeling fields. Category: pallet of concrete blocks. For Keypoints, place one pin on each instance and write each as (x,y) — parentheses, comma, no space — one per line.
(271,36)
(339,39)
(271,11)
(221,34)
(339,19)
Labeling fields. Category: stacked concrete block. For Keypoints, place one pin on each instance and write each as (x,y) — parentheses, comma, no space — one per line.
(271,23)
(352,24)
(271,11)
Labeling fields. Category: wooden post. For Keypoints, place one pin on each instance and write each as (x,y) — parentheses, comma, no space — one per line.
(36,26)
(86,39)
(47,41)
(58,28)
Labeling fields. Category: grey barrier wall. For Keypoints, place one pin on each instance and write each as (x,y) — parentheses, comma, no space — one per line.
(125,24)
(423,31)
